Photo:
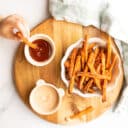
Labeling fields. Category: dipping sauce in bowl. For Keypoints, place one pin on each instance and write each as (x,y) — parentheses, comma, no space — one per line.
(45,98)
(43,52)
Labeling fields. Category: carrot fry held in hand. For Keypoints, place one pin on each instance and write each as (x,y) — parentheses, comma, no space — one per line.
(25,40)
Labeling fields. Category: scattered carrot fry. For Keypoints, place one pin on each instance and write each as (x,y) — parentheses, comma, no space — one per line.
(83,112)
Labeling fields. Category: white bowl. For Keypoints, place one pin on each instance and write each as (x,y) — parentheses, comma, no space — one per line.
(27,53)
(100,42)
(40,83)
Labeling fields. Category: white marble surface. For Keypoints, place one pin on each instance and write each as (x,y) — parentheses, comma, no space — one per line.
(13,113)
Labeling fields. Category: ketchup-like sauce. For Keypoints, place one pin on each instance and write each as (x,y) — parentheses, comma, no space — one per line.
(42,52)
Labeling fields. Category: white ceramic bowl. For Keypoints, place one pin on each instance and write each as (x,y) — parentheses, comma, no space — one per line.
(27,53)
(40,83)
(100,42)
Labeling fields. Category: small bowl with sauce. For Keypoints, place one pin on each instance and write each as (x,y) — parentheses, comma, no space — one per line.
(45,98)
(43,54)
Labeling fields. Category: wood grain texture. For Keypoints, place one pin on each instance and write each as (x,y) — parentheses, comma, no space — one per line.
(25,75)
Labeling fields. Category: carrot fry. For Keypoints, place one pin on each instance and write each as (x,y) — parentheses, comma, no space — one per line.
(94,75)
(103,62)
(93,56)
(86,79)
(85,47)
(91,46)
(82,58)
(25,40)
(83,112)
(99,68)
(109,50)
(77,68)
(71,84)
(88,85)
(82,78)
(98,59)
(90,63)
(67,64)
(105,81)
(112,65)
(72,61)
(90,90)
(104,91)
(91,59)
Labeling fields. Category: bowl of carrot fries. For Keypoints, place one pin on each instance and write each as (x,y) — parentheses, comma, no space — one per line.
(91,67)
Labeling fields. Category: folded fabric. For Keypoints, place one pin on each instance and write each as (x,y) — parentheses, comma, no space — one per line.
(106,15)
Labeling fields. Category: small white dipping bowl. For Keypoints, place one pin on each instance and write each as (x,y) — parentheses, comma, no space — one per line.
(27,52)
(39,84)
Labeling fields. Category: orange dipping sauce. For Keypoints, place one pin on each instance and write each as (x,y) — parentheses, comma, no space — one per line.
(43,52)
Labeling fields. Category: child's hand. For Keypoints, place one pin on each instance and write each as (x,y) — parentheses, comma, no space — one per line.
(11,24)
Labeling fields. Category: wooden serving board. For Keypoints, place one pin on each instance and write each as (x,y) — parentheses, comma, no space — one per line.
(25,75)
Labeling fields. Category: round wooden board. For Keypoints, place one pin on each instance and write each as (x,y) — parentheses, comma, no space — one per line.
(25,75)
